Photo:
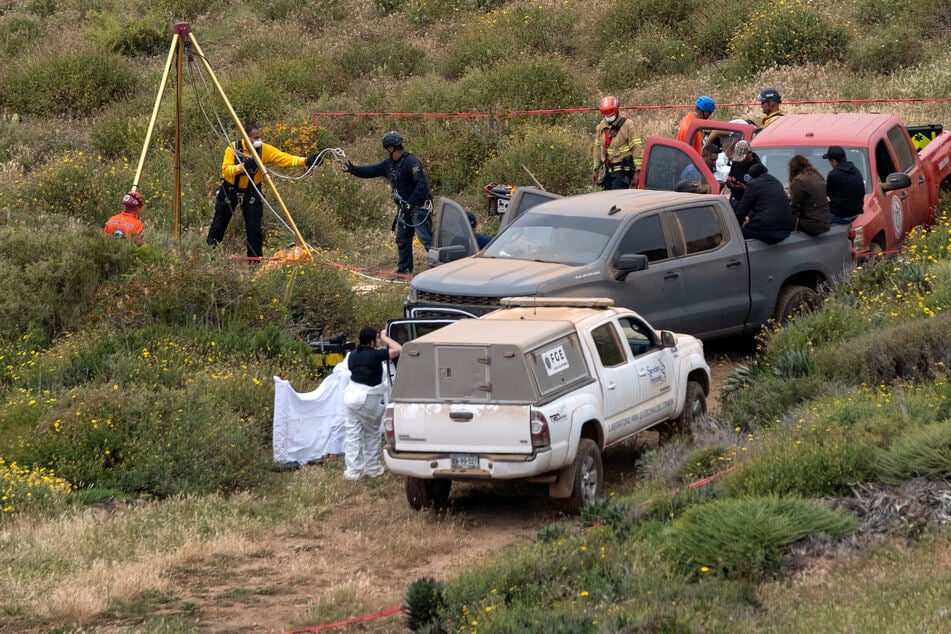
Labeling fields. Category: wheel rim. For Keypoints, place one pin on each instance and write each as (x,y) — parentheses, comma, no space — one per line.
(589,479)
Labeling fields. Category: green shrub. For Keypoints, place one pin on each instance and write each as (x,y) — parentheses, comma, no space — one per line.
(75,83)
(556,156)
(702,462)
(789,34)
(156,441)
(652,53)
(386,57)
(891,49)
(714,24)
(275,10)
(768,398)
(18,31)
(911,351)
(805,465)
(50,276)
(882,12)
(427,11)
(319,14)
(747,538)
(256,99)
(130,36)
(25,489)
(42,8)
(306,76)
(923,453)
(117,136)
(626,20)
(314,295)
(520,84)
(478,50)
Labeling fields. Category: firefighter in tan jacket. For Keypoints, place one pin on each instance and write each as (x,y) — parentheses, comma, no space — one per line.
(615,145)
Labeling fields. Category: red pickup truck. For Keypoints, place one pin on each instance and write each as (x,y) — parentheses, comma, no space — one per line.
(902,182)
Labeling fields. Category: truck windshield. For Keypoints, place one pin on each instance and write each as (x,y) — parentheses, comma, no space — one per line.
(776,160)
(573,240)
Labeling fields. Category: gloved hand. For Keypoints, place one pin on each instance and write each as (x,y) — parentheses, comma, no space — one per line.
(250,167)
(345,167)
(314,159)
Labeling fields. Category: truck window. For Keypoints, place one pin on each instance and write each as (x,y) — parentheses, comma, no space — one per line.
(883,161)
(645,237)
(665,167)
(558,364)
(607,344)
(903,149)
(700,228)
(640,338)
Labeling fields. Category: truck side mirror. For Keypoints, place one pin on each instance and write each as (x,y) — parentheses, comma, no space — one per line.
(667,339)
(446,254)
(896,180)
(629,263)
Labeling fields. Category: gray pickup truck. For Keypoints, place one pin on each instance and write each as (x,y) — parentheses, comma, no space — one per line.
(680,260)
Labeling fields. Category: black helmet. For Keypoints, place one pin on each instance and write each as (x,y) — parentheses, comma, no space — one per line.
(770,94)
(392,139)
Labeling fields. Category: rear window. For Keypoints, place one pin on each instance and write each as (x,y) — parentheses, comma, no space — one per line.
(558,364)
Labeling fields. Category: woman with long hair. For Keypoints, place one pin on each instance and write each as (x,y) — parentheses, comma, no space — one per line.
(807,196)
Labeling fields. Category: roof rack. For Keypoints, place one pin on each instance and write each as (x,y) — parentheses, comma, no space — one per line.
(573,302)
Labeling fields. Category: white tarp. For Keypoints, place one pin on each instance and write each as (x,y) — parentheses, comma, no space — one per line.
(310,425)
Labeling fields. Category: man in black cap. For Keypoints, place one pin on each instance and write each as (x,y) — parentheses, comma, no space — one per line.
(765,208)
(769,100)
(844,186)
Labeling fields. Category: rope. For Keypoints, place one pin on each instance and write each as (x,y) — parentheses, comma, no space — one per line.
(356,619)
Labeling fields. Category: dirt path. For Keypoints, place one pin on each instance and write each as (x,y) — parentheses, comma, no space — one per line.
(360,556)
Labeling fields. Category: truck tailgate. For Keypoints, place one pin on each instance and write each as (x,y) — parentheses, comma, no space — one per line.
(462,428)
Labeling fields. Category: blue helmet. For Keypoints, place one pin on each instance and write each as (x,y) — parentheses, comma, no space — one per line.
(706,104)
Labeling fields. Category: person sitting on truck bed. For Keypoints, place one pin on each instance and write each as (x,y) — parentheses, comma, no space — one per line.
(845,187)
(743,159)
(807,196)
(765,208)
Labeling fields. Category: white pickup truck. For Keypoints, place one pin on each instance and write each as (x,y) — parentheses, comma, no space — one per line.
(536,391)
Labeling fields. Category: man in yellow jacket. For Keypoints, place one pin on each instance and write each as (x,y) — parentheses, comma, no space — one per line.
(241,187)
(615,142)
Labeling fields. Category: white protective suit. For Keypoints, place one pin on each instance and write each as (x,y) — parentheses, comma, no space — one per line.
(362,443)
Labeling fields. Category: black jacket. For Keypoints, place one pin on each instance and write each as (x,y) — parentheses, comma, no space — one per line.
(405,174)
(740,172)
(766,205)
(846,190)
(807,197)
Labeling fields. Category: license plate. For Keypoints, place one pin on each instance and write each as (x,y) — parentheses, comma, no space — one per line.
(464,461)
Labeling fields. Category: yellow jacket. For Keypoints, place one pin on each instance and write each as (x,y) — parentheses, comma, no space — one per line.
(623,144)
(269,154)
(770,118)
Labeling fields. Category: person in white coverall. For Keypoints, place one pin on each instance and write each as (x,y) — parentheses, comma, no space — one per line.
(365,401)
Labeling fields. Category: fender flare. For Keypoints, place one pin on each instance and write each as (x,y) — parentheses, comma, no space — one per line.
(585,417)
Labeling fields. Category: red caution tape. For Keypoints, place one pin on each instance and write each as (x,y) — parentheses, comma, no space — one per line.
(548,111)
(350,621)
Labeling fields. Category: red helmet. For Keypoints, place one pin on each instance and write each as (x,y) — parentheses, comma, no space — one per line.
(132,200)
(609,106)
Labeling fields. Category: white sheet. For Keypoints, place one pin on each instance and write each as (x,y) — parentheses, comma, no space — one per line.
(310,425)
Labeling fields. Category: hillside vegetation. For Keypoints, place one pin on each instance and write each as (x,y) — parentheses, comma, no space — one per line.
(145,373)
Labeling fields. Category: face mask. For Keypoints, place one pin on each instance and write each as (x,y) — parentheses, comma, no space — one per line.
(257,143)
(611,118)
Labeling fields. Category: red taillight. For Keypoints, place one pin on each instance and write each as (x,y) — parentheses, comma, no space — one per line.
(540,436)
(388,426)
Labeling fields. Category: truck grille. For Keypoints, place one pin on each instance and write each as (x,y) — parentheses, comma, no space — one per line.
(425,297)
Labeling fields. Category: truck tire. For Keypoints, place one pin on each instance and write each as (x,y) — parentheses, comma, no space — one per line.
(695,408)
(589,477)
(792,300)
(423,494)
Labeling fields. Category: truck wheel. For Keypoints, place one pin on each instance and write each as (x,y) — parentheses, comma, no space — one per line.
(695,408)
(793,300)
(589,476)
(423,494)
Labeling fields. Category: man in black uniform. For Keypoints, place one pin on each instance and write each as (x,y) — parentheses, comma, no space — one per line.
(844,186)
(411,193)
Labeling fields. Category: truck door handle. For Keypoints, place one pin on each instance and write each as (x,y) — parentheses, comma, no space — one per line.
(921,180)
(611,385)
(671,275)
(732,264)
(904,196)
(460,415)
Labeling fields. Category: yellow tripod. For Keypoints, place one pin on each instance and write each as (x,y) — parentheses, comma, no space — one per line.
(182,31)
